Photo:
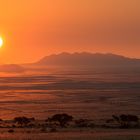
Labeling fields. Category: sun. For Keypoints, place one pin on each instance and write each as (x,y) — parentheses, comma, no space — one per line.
(1,42)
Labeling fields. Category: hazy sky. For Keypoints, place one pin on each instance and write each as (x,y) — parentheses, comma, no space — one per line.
(34,28)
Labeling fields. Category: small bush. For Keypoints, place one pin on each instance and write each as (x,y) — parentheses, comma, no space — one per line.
(11,131)
(84,123)
(43,130)
(53,130)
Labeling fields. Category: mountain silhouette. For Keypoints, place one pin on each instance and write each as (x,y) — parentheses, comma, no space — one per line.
(88,59)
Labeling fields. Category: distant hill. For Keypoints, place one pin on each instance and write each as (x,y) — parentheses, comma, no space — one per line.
(88,59)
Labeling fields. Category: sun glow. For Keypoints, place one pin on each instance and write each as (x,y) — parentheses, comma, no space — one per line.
(1,42)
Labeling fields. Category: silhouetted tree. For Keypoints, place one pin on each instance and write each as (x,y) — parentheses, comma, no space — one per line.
(126,121)
(22,121)
(133,118)
(62,119)
(116,118)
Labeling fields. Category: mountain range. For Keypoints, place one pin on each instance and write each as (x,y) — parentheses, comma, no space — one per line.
(85,60)
(88,59)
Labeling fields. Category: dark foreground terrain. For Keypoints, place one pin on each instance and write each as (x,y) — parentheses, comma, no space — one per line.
(66,127)
(80,135)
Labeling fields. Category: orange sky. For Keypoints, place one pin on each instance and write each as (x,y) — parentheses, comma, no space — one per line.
(34,28)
